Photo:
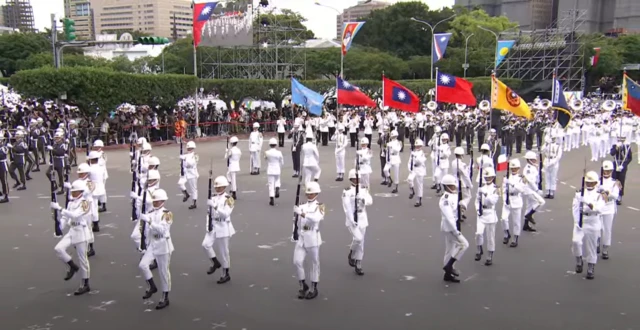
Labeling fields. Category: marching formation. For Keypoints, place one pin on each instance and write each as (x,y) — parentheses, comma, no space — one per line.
(506,200)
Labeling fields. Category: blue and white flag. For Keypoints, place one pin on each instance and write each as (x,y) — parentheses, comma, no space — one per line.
(559,104)
(440,42)
(502,50)
(304,96)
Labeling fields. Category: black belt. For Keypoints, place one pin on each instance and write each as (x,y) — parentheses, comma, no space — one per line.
(306,228)
(486,207)
(158,236)
(513,194)
(76,223)
(588,213)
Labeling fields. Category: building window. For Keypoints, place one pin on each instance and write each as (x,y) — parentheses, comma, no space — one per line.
(82,9)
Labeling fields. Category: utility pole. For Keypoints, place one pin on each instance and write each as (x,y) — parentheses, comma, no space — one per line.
(54,35)
(175,28)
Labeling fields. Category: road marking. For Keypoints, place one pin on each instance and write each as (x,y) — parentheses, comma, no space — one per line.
(573,187)
(41,197)
(633,208)
(564,183)
(116,196)
(16,197)
(248,192)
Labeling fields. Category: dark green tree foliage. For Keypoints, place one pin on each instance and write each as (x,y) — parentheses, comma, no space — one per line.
(18,46)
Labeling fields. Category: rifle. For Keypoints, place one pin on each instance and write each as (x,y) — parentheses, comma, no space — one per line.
(355,203)
(136,180)
(143,224)
(181,161)
(459,194)
(584,174)
(601,174)
(540,173)
(228,158)
(54,199)
(210,212)
(471,166)
(66,179)
(507,201)
(295,216)
(480,211)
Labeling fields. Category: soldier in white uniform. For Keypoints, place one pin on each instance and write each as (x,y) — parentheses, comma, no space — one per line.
(486,200)
(394,146)
(553,154)
(275,161)
(83,172)
(417,168)
(340,152)
(255,146)
(102,162)
(160,247)
(216,240)
(455,243)
(152,184)
(76,216)
(309,240)
(97,178)
(587,223)
(364,157)
(484,160)
(189,185)
(281,130)
(354,206)
(462,172)
(233,164)
(512,189)
(442,162)
(611,189)
(310,160)
(531,194)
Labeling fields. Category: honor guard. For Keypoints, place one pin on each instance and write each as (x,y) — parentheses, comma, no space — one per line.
(622,156)
(486,200)
(281,130)
(220,230)
(364,157)
(354,203)
(73,142)
(160,247)
(83,174)
(233,164)
(531,192)
(513,187)
(462,172)
(255,146)
(59,152)
(455,243)
(43,140)
(610,187)
(393,164)
(553,154)
(417,171)
(97,178)
(34,133)
(341,145)
(310,160)
(142,165)
(102,161)
(20,162)
(308,245)
(587,223)
(442,163)
(77,217)
(275,161)
(297,134)
(190,185)
(152,183)
(4,169)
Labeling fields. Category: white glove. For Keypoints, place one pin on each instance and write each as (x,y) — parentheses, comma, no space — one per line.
(55,206)
(131,154)
(65,213)
(133,195)
(9,145)
(67,185)
(183,157)
(210,203)
(182,181)
(297,210)
(620,168)
(293,149)
(49,148)
(145,217)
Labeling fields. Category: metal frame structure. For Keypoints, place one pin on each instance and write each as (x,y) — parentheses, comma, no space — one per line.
(278,52)
(540,53)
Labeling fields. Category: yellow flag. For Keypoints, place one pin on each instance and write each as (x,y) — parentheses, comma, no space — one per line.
(504,98)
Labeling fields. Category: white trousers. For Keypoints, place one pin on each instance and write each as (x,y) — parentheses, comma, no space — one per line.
(102,198)
(254,159)
(454,245)
(466,197)
(357,241)
(192,188)
(533,202)
(550,176)
(607,227)
(211,243)
(489,230)
(396,172)
(512,216)
(440,173)
(434,165)
(163,261)
(81,253)
(340,162)
(566,143)
(231,176)
(300,253)
(95,216)
(602,147)
(311,173)
(575,140)
(595,150)
(365,180)
(273,182)
(587,238)
(418,182)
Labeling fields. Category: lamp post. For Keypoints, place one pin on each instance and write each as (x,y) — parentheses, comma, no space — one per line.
(495,63)
(432,27)
(465,66)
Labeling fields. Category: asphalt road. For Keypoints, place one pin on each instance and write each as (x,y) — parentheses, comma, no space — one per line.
(531,287)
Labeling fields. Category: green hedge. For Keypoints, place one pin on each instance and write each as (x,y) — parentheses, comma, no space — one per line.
(102,90)
(4,81)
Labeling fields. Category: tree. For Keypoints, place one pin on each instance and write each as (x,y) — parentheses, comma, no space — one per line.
(392,30)
(466,23)
(17,46)
(284,26)
(359,63)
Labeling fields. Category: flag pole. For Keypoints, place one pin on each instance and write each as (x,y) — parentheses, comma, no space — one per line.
(195,73)
(493,77)
(436,87)
(382,89)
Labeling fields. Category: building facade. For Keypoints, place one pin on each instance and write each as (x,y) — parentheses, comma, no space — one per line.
(351,14)
(18,14)
(530,14)
(162,18)
(80,12)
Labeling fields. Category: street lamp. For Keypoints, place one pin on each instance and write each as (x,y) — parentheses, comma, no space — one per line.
(432,27)
(465,66)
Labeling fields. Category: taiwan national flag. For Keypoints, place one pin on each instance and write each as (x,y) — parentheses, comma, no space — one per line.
(630,95)
(351,95)
(399,97)
(452,89)
(201,14)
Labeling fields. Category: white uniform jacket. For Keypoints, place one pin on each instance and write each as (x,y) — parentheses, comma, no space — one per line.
(159,224)
(190,165)
(590,216)
(449,211)
(349,204)
(77,216)
(234,159)
(489,196)
(310,155)
(309,225)
(275,161)
(222,207)
(514,187)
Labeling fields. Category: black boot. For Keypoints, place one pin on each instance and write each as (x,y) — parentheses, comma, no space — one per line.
(507,237)
(214,267)
(352,262)
(591,270)
(395,190)
(552,194)
(103,208)
(83,289)
(73,269)
(515,242)
(225,276)
(95,226)
(150,290)
(412,193)
(91,251)
(579,265)
(418,203)
(605,252)
(23,187)
(448,268)
(489,260)
(479,254)
(302,292)
(5,199)
(272,201)
(233,194)
(186,196)
(16,185)
(530,216)
(384,181)
(154,265)
(434,187)
(164,302)
(277,192)
(313,292)
(389,183)
(358,267)
(193,206)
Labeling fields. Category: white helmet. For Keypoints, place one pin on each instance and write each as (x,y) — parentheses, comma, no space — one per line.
(220,181)
(84,168)
(153,175)
(40,120)
(591,176)
(488,172)
(530,155)
(72,122)
(93,155)
(191,145)
(394,133)
(419,143)
(20,128)
(146,147)
(449,180)
(78,185)
(142,140)
(19,133)
(33,121)
(352,174)
(58,135)
(233,139)
(438,129)
(98,143)
(444,136)
(256,125)
(273,142)
(458,151)
(364,140)
(607,165)
(312,188)
(61,125)
(159,195)
(153,161)
(514,163)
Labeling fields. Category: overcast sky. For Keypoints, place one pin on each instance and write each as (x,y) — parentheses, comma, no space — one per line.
(321,20)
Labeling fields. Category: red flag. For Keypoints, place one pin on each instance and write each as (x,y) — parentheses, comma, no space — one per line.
(399,97)
(351,95)
(201,14)
(452,89)
(630,95)
(595,57)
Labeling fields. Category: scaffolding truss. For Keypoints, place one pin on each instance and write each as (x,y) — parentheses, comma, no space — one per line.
(539,54)
(278,52)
